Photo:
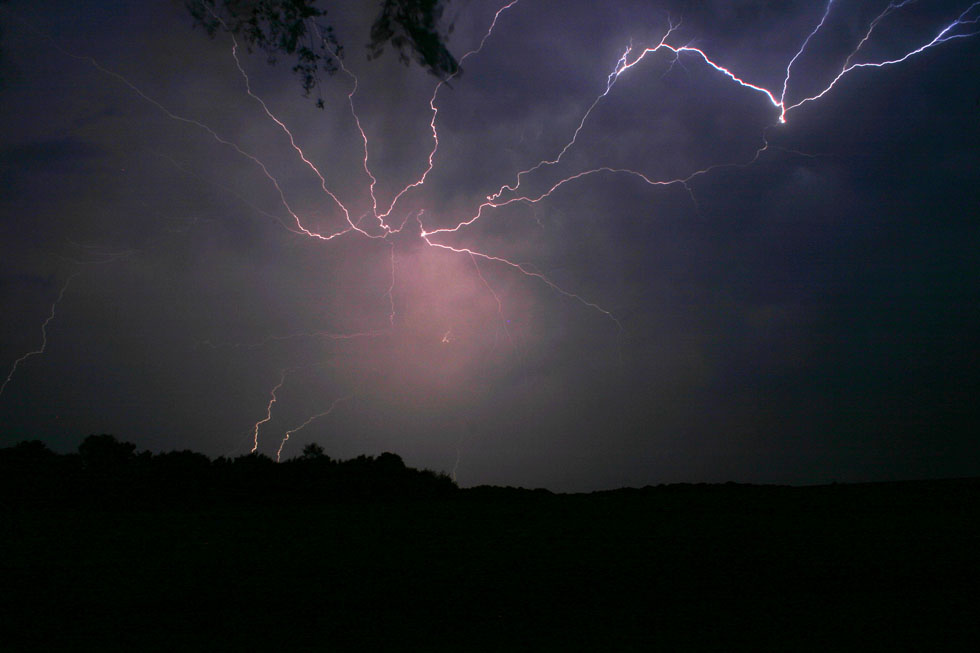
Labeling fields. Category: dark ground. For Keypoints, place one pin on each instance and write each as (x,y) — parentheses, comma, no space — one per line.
(722,567)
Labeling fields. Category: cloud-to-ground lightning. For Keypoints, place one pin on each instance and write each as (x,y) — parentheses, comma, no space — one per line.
(268,410)
(44,334)
(312,418)
(781,99)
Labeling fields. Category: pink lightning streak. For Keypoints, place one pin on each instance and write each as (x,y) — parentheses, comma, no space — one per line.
(299,151)
(268,409)
(44,334)
(435,109)
(496,298)
(302,426)
(214,134)
(523,270)
(622,65)
(382,216)
(390,293)
(302,155)
(963,26)
(265,170)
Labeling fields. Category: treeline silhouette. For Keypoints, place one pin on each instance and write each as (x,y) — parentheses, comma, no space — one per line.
(113,549)
(108,472)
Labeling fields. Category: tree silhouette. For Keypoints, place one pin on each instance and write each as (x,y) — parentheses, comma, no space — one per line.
(413,28)
(29,453)
(104,453)
(390,462)
(109,473)
(313,451)
(297,29)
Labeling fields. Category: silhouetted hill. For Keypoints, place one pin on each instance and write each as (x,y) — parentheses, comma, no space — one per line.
(370,555)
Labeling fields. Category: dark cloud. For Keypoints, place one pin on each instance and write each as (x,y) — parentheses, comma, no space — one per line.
(807,317)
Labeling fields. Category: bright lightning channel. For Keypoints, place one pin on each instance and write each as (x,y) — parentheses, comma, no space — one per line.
(302,426)
(623,64)
(963,26)
(268,409)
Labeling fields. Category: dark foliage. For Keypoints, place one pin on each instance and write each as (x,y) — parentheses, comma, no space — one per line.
(413,28)
(104,454)
(266,565)
(298,29)
(110,473)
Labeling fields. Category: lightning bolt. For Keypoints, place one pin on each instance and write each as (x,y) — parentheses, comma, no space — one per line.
(627,61)
(496,298)
(300,227)
(948,33)
(268,410)
(44,334)
(299,152)
(874,23)
(789,67)
(964,25)
(435,110)
(302,426)
(390,293)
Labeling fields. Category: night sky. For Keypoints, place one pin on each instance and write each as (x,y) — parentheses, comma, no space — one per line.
(802,312)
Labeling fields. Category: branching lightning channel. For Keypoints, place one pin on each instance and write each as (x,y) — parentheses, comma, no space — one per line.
(789,67)
(367,154)
(381,217)
(948,33)
(622,65)
(299,151)
(524,270)
(312,418)
(966,24)
(435,110)
(44,334)
(628,61)
(871,28)
(496,298)
(300,227)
